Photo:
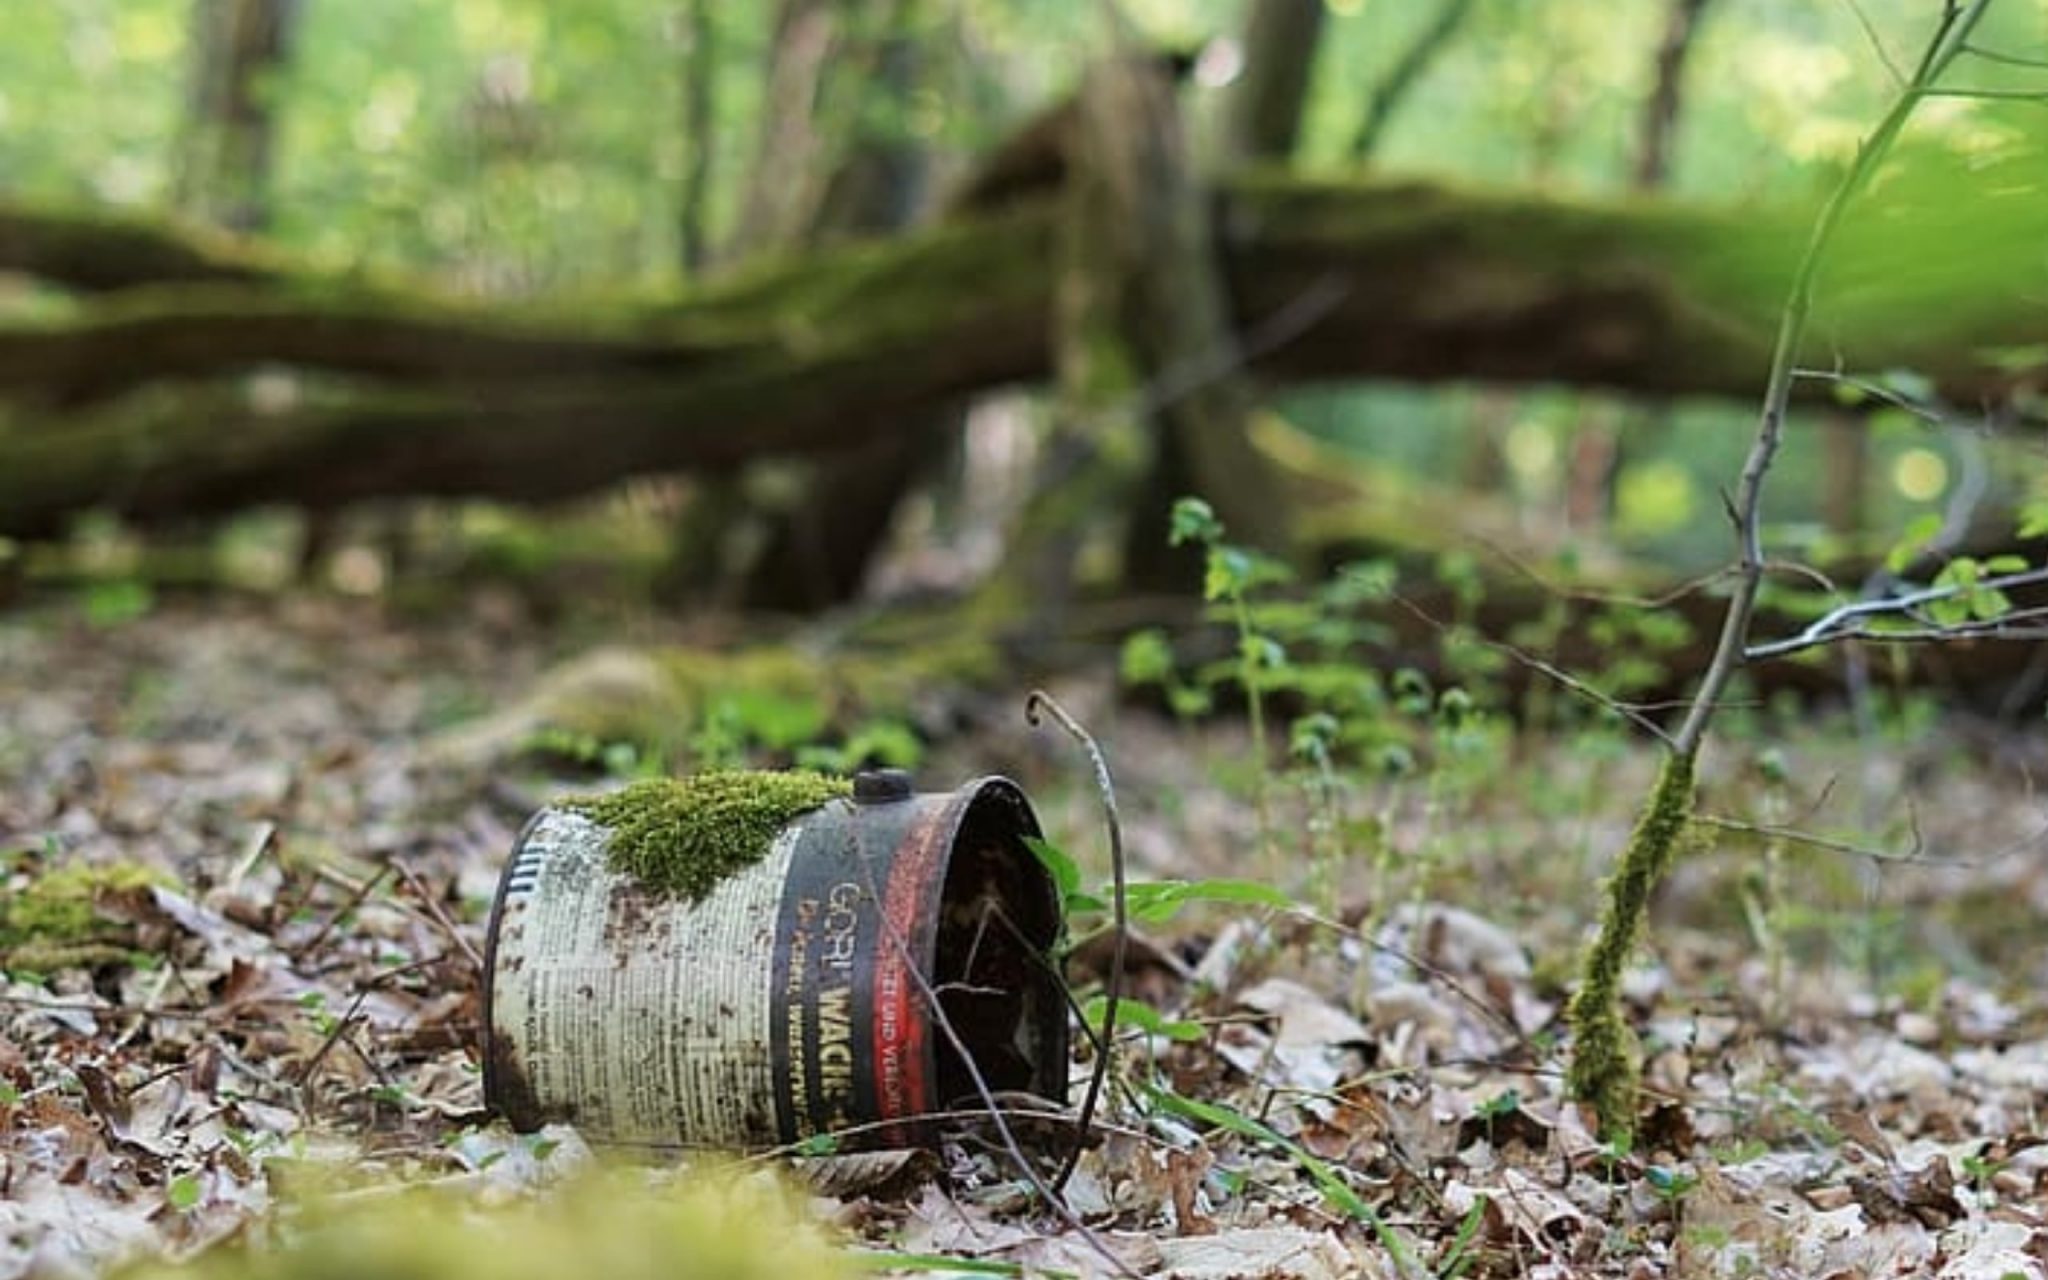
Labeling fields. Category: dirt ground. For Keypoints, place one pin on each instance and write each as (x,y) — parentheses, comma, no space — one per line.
(279,997)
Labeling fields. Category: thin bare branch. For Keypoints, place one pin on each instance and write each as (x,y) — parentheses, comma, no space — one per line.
(1876,43)
(1037,703)
(1931,415)
(1851,621)
(1729,651)
(1634,714)
(2009,59)
(1991,95)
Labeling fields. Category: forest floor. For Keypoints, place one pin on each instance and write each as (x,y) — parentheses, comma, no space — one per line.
(278,996)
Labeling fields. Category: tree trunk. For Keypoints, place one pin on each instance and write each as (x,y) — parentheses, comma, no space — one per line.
(1659,121)
(789,149)
(1171,314)
(819,548)
(242,49)
(1262,116)
(1845,491)
(699,39)
(1600,445)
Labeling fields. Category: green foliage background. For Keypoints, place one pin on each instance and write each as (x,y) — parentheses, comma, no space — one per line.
(506,147)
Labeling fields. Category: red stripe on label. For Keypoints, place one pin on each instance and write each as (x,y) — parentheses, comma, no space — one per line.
(902,1028)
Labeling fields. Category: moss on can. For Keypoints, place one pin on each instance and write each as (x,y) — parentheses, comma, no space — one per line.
(684,836)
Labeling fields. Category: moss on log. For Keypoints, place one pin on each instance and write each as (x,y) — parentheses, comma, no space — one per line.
(94,252)
(402,393)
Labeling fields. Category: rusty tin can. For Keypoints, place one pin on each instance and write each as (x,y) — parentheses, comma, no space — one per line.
(793,1000)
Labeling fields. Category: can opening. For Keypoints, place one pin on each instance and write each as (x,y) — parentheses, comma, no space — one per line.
(992,971)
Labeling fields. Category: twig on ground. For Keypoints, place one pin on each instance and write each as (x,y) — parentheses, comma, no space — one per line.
(355,899)
(432,906)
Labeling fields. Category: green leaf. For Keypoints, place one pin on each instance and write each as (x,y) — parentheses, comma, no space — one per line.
(109,604)
(1156,901)
(1137,1013)
(1193,520)
(1952,612)
(884,1260)
(1229,572)
(1988,604)
(2034,519)
(1065,872)
(1362,582)
(1458,1258)
(1908,384)
(1334,1188)
(1261,653)
(1919,531)
(183,1193)
(1147,658)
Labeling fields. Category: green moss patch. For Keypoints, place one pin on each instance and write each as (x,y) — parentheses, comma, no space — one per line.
(1604,1050)
(55,922)
(685,836)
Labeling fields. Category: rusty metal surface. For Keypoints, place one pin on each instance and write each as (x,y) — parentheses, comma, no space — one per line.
(792,1001)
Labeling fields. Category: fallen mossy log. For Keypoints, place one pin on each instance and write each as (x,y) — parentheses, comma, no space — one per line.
(848,344)
(95,252)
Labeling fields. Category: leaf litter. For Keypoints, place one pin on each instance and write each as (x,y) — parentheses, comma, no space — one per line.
(291,1002)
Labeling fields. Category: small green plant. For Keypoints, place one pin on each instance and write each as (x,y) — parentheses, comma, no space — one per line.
(1337,1191)
(611,758)
(116,602)
(1670,1185)
(1230,577)
(1150,902)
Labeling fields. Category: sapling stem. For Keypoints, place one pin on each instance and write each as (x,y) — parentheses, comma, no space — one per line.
(1603,1069)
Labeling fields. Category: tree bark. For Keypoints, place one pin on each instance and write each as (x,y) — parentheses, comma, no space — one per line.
(94,252)
(818,550)
(783,181)
(699,64)
(1262,116)
(1659,120)
(242,49)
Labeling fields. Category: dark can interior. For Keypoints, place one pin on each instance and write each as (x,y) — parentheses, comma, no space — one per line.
(994,970)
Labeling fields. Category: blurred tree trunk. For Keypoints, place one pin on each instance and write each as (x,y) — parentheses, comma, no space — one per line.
(1659,121)
(1262,119)
(1262,115)
(1845,446)
(698,36)
(242,49)
(818,547)
(1386,96)
(1600,446)
(1166,320)
(785,176)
